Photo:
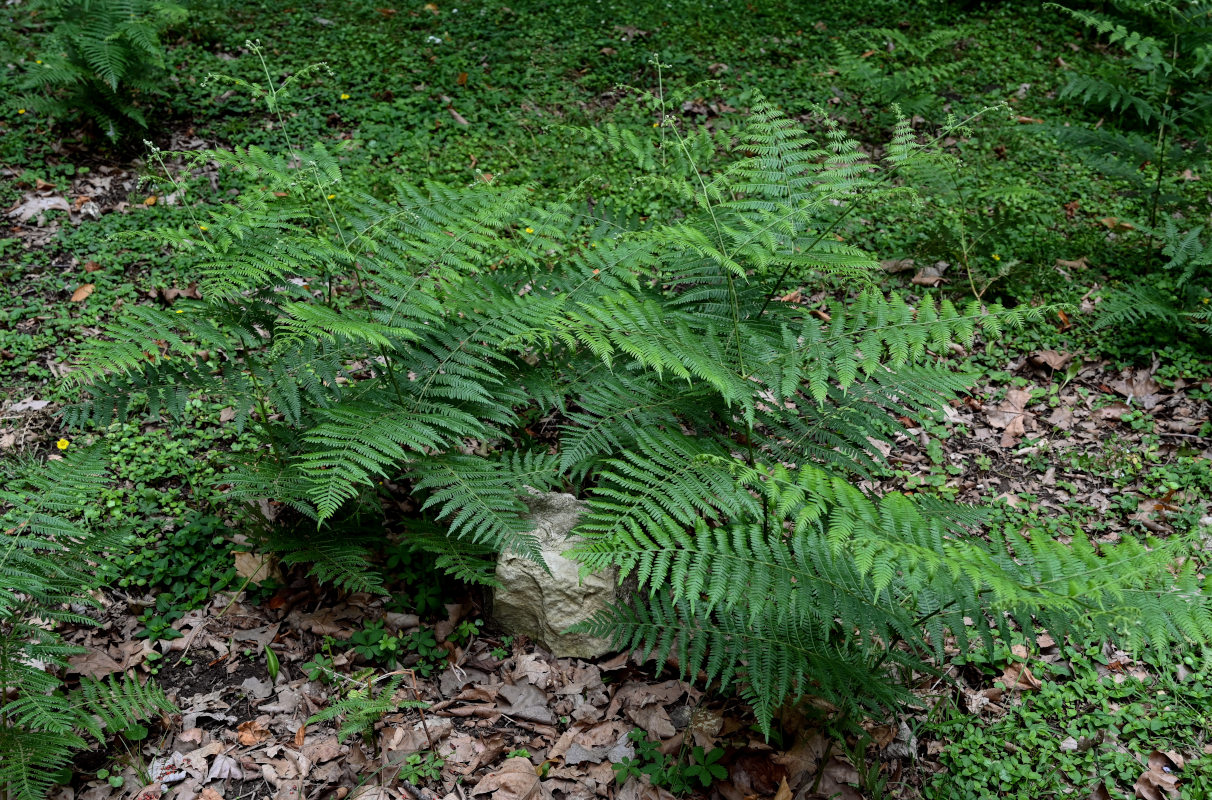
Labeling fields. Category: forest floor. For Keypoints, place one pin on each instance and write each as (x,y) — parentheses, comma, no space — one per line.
(1068,429)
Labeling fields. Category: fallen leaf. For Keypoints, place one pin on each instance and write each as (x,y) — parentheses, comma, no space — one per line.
(209,794)
(527,702)
(1011,416)
(515,780)
(1160,780)
(96,663)
(81,294)
(224,767)
(167,769)
(1116,224)
(35,206)
(1028,121)
(149,792)
(932,275)
(1016,675)
(1051,358)
(251,733)
(1137,384)
(150,201)
(458,117)
(1113,412)
(91,266)
(29,404)
(257,566)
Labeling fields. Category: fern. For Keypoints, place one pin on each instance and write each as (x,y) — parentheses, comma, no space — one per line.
(100,59)
(467,345)
(46,565)
(364,705)
(1155,88)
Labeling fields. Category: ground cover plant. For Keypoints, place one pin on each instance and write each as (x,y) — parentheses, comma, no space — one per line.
(462,292)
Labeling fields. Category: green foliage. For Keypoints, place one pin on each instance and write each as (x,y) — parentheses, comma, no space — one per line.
(699,772)
(1155,87)
(418,650)
(101,58)
(46,564)
(421,768)
(1113,721)
(897,68)
(717,431)
(366,700)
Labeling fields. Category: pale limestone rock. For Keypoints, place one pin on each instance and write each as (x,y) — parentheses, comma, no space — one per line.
(543,605)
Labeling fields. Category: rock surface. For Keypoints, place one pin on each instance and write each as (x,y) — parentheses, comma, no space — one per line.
(543,605)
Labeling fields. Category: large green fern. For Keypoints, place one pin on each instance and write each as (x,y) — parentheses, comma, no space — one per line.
(471,345)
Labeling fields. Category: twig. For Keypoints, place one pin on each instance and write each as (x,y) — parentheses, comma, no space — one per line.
(420,709)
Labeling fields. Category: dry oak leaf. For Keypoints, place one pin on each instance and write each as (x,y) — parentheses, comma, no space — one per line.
(636,789)
(524,701)
(1011,416)
(1051,358)
(515,780)
(931,275)
(81,294)
(96,663)
(251,733)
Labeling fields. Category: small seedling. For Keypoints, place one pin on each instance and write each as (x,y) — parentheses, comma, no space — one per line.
(271,664)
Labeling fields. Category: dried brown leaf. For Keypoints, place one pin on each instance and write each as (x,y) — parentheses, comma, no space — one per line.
(251,732)
(515,780)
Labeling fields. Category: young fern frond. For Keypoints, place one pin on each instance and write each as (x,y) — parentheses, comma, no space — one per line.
(363,706)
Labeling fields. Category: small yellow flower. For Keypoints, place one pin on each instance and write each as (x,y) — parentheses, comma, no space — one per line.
(332,197)
(656,124)
(1207,300)
(62,444)
(530,230)
(203,228)
(344,97)
(180,311)
(38,61)
(996,257)
(20,110)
